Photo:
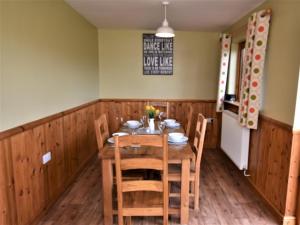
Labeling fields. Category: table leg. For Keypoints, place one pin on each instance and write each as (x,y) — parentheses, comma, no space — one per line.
(107,185)
(184,207)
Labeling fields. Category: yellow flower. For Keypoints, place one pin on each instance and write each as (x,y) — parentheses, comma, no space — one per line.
(152,108)
(147,107)
(157,111)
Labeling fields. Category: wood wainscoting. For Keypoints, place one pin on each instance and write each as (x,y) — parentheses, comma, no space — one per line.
(273,166)
(28,188)
(296,148)
(134,109)
(274,157)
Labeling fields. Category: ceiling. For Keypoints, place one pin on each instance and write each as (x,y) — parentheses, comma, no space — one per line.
(191,15)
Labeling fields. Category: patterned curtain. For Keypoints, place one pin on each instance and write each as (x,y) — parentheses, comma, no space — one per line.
(226,44)
(253,66)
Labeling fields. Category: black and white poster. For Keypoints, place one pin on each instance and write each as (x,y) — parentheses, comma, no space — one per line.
(157,55)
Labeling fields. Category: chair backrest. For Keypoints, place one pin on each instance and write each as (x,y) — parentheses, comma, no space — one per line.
(188,120)
(102,132)
(162,106)
(146,163)
(199,139)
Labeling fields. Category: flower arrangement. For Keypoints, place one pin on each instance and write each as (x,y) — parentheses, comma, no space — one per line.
(151,111)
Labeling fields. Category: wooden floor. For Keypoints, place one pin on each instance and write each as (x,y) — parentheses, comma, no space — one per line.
(226,198)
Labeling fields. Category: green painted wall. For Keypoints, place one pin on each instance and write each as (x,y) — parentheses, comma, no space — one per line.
(49,60)
(283,58)
(196,64)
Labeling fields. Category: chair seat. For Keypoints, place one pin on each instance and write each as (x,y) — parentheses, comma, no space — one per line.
(143,203)
(175,173)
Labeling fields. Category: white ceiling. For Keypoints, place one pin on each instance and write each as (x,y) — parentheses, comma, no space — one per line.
(192,15)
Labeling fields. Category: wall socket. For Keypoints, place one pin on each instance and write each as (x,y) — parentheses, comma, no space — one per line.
(46,157)
(210,120)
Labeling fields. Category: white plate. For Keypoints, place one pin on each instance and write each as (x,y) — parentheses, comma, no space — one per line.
(182,140)
(120,134)
(111,140)
(173,125)
(181,143)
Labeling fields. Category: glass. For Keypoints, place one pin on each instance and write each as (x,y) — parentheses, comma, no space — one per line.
(161,127)
(119,122)
(134,130)
(160,116)
(143,120)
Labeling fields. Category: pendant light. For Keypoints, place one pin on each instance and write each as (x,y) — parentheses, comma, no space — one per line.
(165,31)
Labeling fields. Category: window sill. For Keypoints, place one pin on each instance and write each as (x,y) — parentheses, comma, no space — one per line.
(232,106)
(235,103)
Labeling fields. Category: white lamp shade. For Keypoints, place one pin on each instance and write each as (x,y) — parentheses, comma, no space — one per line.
(165,32)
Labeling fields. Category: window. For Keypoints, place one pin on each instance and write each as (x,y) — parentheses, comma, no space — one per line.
(239,71)
(235,71)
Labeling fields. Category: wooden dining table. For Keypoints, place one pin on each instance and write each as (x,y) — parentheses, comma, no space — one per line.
(181,154)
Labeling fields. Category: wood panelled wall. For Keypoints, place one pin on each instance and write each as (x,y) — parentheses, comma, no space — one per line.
(28,188)
(134,109)
(274,158)
(272,166)
(296,148)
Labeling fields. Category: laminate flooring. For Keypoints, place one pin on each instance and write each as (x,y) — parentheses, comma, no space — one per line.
(226,198)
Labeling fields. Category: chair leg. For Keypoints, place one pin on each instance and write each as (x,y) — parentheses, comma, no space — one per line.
(196,193)
(120,219)
(128,220)
(165,219)
(192,187)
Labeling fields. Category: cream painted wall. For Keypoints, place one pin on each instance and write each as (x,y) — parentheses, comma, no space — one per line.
(1,64)
(196,63)
(49,60)
(283,58)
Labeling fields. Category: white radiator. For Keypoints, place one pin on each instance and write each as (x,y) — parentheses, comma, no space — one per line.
(235,140)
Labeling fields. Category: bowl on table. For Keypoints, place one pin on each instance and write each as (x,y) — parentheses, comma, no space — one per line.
(133,124)
(176,137)
(170,122)
(173,125)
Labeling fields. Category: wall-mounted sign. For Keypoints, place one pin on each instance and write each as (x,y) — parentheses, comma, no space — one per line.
(157,55)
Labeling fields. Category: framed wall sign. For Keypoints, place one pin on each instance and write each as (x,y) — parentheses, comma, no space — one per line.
(157,55)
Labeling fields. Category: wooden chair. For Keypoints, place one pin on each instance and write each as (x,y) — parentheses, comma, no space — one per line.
(142,197)
(175,173)
(187,121)
(162,106)
(102,132)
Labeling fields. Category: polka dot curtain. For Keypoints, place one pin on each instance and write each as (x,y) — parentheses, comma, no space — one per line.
(256,42)
(226,43)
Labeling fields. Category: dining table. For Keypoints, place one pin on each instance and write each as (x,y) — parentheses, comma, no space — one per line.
(180,153)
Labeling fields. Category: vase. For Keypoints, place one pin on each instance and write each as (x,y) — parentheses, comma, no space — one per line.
(151,124)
